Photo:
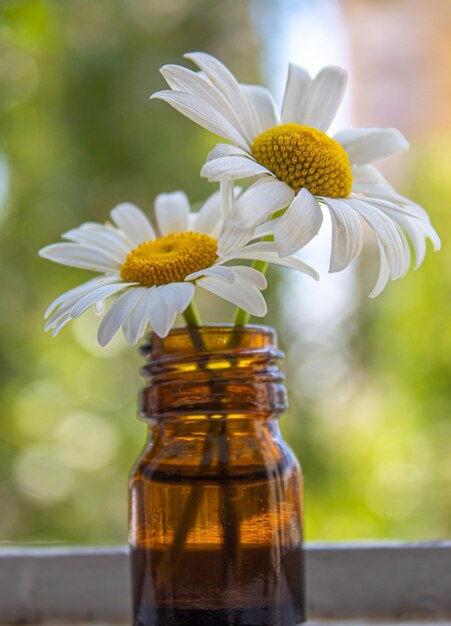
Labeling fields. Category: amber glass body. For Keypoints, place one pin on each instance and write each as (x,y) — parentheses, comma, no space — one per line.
(215,496)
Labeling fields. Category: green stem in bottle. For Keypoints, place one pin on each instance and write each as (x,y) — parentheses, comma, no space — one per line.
(216,430)
(192,315)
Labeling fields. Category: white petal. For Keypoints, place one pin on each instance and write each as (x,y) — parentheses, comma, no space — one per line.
(62,312)
(80,291)
(239,293)
(412,208)
(215,270)
(386,233)
(299,224)
(74,306)
(172,211)
(401,206)
(347,234)
(265,197)
(133,222)
(267,251)
(203,114)
(267,228)
(263,106)
(184,80)
(135,324)
(384,273)
(296,91)
(226,149)
(177,296)
(191,222)
(76,255)
(60,324)
(417,237)
(208,219)
(323,98)
(108,229)
(62,316)
(407,254)
(434,237)
(227,84)
(251,275)
(368,180)
(54,320)
(227,196)
(235,167)
(99,241)
(161,316)
(291,262)
(259,246)
(417,229)
(233,237)
(347,135)
(371,144)
(98,294)
(118,312)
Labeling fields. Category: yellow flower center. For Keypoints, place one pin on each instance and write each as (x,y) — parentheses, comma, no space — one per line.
(301,156)
(169,259)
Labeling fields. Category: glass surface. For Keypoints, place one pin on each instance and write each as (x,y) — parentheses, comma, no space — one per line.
(215,504)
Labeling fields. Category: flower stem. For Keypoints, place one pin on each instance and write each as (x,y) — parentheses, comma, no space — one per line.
(172,557)
(216,436)
(192,315)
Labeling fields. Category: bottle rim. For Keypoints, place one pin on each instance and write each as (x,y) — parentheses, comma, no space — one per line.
(213,369)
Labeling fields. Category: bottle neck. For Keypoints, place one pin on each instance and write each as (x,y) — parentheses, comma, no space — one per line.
(213,372)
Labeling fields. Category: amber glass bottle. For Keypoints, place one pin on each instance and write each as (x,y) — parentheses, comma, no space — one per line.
(215,509)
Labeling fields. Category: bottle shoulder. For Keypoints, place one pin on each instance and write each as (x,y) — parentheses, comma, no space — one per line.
(258,455)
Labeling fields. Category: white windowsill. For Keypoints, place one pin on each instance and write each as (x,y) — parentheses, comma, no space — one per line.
(358,582)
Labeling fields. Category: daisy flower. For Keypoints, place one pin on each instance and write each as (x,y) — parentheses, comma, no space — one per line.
(292,162)
(155,271)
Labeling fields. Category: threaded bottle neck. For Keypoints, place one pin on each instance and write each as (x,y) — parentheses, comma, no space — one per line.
(213,371)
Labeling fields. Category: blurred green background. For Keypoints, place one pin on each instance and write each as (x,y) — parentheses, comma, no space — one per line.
(369,379)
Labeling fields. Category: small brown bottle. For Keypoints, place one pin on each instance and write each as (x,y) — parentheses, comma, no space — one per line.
(215,508)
